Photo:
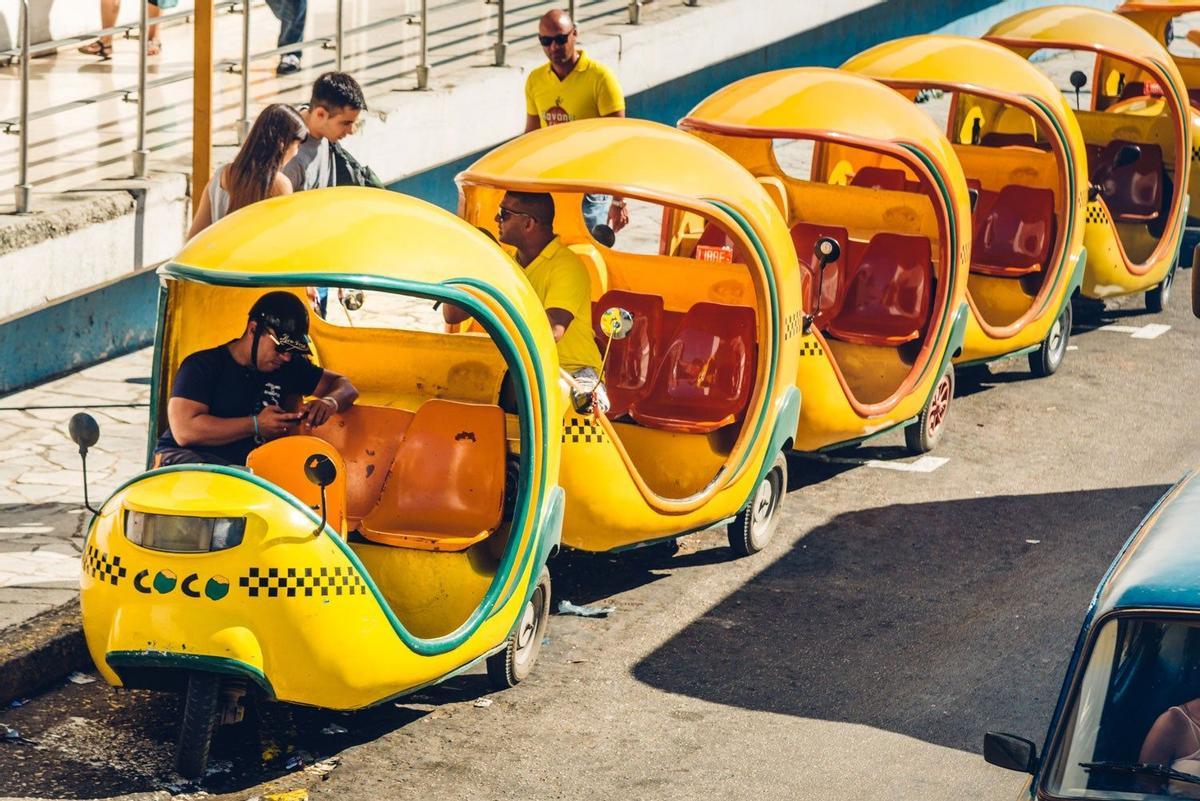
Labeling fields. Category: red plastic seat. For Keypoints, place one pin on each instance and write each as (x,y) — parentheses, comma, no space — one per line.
(1140,89)
(1133,193)
(1014,235)
(804,237)
(630,360)
(1194,97)
(713,236)
(879,178)
(999,139)
(889,296)
(705,377)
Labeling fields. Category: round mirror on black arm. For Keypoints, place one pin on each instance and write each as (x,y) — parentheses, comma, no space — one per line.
(352,299)
(616,323)
(320,470)
(604,235)
(84,432)
(1078,80)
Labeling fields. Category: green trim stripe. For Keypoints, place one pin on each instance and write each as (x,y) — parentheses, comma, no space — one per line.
(189,662)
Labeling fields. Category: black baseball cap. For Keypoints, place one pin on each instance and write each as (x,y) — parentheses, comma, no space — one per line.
(287,317)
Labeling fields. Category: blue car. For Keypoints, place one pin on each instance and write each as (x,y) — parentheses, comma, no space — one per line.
(1127,723)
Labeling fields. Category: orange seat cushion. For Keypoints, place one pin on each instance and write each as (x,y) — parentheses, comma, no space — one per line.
(631,359)
(889,297)
(281,461)
(706,373)
(367,438)
(445,490)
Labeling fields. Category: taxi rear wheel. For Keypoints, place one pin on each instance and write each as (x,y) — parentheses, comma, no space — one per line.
(199,723)
(1158,297)
(751,530)
(926,432)
(511,665)
(1049,356)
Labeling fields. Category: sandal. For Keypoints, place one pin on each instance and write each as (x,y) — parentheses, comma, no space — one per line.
(153,47)
(97,48)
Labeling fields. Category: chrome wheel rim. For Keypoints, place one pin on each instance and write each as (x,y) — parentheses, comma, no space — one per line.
(939,405)
(762,508)
(528,627)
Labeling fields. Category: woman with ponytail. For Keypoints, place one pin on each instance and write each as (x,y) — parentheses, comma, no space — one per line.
(255,173)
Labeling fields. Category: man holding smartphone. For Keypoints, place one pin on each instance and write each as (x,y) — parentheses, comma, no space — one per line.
(228,400)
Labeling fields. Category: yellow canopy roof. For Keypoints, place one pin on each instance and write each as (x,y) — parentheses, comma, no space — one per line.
(823,101)
(626,157)
(974,65)
(1089,28)
(344,231)
(1172,6)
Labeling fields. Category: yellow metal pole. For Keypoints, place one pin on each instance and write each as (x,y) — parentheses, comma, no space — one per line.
(202,95)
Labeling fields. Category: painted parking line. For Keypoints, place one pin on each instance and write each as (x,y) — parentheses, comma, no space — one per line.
(1147,331)
(27,528)
(924,464)
(21,568)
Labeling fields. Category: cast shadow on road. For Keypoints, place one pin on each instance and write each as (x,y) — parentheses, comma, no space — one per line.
(937,621)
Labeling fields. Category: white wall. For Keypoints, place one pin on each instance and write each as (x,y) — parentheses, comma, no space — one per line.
(58,19)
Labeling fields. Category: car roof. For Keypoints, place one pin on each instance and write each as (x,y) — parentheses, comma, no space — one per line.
(1159,566)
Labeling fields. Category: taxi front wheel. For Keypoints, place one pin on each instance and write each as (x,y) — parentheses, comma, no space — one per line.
(751,530)
(512,664)
(199,724)
(1159,296)
(924,434)
(1049,356)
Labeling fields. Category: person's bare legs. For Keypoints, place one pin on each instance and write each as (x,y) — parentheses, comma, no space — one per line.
(109,9)
(154,45)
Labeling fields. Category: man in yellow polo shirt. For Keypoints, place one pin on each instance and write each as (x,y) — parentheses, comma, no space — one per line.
(558,276)
(571,86)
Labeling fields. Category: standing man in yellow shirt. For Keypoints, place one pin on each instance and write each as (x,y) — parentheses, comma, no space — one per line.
(571,86)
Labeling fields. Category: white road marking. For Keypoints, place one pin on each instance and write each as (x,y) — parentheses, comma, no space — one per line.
(926,464)
(1072,347)
(27,528)
(19,568)
(1147,331)
(1152,331)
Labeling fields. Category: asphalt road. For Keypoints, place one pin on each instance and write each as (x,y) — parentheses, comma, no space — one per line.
(897,617)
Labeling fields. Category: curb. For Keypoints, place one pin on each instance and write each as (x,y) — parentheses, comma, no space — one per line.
(42,651)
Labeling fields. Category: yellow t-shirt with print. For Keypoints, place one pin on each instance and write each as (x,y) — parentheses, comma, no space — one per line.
(561,281)
(589,90)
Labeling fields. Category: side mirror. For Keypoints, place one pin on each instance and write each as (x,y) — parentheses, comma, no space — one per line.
(826,249)
(352,299)
(84,432)
(1078,80)
(616,323)
(320,470)
(1094,191)
(1128,154)
(1010,752)
(604,235)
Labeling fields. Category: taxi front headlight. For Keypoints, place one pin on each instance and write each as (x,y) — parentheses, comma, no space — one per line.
(183,534)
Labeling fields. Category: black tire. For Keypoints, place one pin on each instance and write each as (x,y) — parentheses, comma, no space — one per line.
(1158,297)
(513,664)
(199,724)
(660,550)
(921,436)
(1049,356)
(753,527)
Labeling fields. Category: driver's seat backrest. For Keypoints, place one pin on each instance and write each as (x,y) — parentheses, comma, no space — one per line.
(1014,235)
(879,178)
(706,373)
(630,360)
(1133,193)
(832,290)
(889,297)
(367,438)
(445,490)
(281,461)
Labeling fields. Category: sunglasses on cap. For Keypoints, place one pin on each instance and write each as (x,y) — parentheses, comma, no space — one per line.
(558,39)
(285,344)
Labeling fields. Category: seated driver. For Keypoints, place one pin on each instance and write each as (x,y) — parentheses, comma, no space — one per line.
(228,400)
(1174,741)
(560,279)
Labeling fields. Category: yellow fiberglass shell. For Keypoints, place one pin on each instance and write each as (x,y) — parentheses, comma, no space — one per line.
(1117,266)
(835,107)
(1155,17)
(972,68)
(245,611)
(608,504)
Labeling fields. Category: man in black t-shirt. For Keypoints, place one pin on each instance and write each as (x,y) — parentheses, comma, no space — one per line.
(229,399)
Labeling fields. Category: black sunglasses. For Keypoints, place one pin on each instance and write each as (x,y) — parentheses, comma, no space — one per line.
(503,214)
(559,39)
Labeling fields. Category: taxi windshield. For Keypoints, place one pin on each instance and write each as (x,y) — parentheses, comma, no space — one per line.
(1133,728)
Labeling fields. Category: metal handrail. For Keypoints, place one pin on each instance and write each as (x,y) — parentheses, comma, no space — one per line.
(336,41)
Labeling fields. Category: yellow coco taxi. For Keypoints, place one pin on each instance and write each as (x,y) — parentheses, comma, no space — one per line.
(880,220)
(1023,157)
(702,402)
(393,546)
(1158,18)
(1138,148)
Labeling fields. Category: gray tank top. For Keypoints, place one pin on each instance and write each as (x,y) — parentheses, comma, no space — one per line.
(218,196)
